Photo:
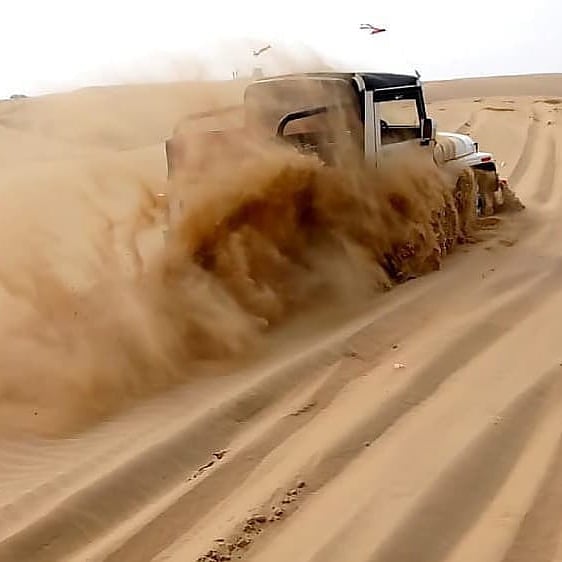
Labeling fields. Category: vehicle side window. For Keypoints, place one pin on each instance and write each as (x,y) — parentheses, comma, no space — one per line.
(339,120)
(399,120)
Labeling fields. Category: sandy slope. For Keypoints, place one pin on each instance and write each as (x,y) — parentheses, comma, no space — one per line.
(454,456)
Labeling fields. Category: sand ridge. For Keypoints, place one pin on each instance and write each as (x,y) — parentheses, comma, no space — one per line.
(424,426)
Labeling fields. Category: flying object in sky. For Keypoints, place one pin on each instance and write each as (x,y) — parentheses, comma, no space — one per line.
(260,51)
(372,28)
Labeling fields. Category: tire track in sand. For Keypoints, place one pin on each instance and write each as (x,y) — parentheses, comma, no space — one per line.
(446,512)
(539,536)
(477,340)
(544,184)
(333,461)
(399,520)
(470,123)
(545,187)
(92,508)
(527,154)
(153,473)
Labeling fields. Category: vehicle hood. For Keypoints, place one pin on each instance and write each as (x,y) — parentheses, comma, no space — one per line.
(451,146)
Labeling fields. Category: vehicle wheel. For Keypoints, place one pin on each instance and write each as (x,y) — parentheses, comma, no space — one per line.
(466,202)
(487,185)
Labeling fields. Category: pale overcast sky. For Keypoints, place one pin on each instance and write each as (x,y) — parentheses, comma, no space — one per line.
(50,45)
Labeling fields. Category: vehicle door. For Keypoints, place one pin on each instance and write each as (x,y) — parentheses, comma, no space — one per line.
(398,116)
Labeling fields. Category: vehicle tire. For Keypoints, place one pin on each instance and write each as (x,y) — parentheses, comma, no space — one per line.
(487,185)
(466,202)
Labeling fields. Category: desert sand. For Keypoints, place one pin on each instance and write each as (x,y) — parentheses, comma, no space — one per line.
(147,421)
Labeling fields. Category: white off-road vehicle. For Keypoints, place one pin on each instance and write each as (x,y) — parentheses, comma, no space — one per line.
(380,113)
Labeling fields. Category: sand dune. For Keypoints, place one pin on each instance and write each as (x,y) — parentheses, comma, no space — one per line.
(536,85)
(424,425)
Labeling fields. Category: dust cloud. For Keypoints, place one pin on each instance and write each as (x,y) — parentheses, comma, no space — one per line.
(93,321)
